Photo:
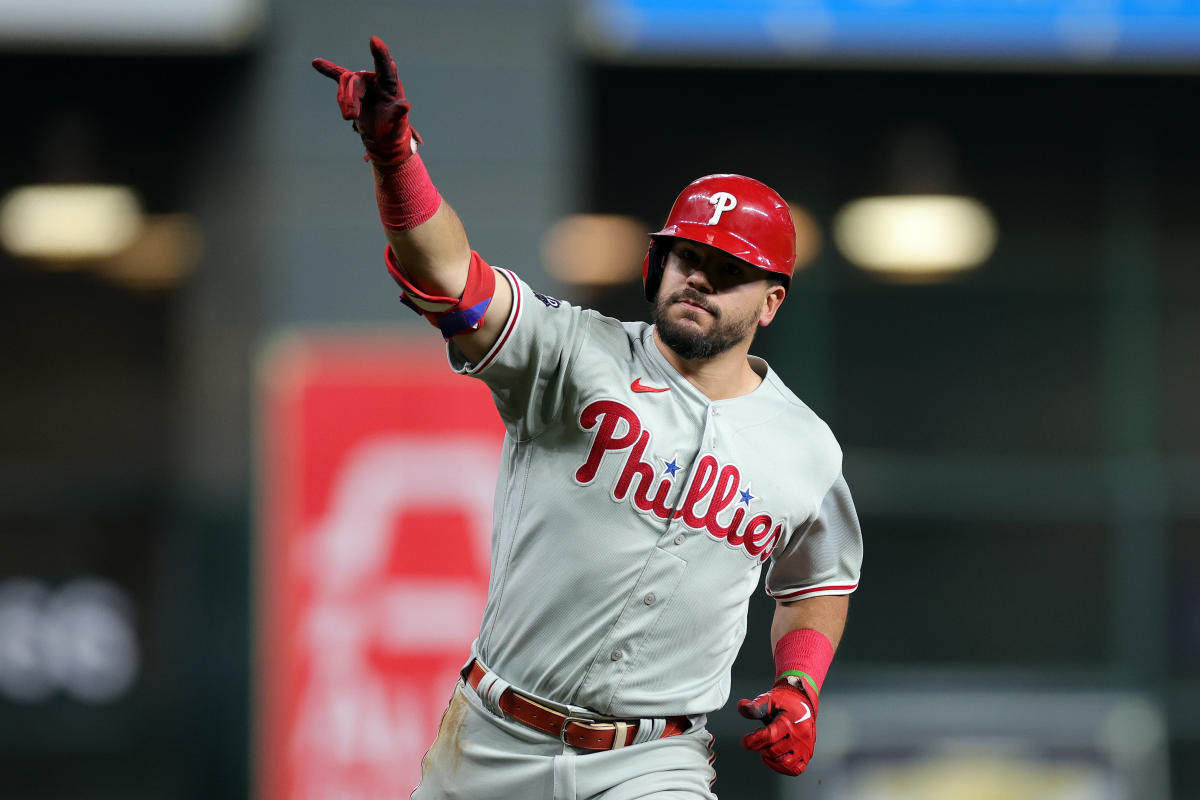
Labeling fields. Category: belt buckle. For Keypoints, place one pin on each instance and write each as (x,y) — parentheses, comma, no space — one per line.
(568,719)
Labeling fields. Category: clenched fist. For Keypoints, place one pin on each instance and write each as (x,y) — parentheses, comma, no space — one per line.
(790,733)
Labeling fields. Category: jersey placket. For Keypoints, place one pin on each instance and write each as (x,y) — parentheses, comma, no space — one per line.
(657,582)
(643,605)
(707,442)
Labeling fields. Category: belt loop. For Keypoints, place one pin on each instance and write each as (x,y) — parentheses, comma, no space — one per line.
(565,784)
(490,688)
(648,729)
(619,734)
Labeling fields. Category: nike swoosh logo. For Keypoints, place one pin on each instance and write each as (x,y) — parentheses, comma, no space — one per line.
(638,386)
(807,714)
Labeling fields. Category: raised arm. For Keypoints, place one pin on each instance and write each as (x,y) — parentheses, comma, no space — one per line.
(428,252)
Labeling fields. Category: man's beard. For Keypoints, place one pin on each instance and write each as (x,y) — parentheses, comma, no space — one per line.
(688,343)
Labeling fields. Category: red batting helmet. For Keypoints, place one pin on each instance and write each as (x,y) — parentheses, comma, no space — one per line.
(743,217)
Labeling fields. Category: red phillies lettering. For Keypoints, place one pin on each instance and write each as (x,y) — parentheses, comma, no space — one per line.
(724,492)
(636,467)
(610,414)
(702,483)
(761,537)
(713,487)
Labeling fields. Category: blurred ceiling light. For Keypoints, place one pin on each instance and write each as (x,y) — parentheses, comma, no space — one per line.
(141,26)
(168,248)
(66,222)
(915,236)
(595,249)
(808,235)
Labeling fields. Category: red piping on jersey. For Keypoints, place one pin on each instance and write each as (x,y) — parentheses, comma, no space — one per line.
(516,310)
(849,587)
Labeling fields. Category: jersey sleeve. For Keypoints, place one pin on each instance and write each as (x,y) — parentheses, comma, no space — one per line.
(825,556)
(528,368)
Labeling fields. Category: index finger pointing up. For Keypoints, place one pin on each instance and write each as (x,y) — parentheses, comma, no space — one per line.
(385,68)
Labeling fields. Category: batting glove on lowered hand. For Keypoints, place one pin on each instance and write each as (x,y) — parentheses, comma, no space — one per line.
(786,743)
(375,102)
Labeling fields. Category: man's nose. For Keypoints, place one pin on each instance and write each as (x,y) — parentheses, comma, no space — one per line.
(697,278)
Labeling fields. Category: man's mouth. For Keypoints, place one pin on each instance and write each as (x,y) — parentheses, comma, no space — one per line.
(692,304)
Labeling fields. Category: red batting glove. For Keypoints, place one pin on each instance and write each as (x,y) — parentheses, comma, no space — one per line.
(786,743)
(375,101)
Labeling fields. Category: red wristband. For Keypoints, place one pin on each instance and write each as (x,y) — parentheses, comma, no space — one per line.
(806,654)
(405,194)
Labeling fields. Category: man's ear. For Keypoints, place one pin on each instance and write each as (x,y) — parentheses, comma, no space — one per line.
(771,304)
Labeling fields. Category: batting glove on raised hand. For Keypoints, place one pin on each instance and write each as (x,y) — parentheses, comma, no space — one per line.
(786,743)
(375,102)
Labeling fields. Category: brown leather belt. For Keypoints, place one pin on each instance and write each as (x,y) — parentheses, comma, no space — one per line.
(576,731)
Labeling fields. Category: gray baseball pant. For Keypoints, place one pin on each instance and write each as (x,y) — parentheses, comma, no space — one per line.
(478,755)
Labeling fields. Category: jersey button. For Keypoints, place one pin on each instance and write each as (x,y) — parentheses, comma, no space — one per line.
(649,599)
(679,539)
(616,655)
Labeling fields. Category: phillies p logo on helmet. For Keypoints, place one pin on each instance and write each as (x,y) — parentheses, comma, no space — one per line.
(761,234)
(724,201)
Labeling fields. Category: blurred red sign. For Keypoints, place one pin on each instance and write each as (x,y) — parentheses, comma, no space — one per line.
(377,470)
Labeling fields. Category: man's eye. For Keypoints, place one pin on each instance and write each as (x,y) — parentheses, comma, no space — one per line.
(687,255)
(733,269)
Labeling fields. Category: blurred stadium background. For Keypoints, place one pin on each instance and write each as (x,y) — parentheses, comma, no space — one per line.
(998,312)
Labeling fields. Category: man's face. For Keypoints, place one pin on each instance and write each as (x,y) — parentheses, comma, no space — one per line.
(708,300)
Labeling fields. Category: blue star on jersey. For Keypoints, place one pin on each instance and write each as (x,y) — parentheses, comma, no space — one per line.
(672,467)
(746,496)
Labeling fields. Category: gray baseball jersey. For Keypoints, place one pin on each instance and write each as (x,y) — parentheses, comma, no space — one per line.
(633,514)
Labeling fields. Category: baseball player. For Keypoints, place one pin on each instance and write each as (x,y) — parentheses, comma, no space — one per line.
(648,473)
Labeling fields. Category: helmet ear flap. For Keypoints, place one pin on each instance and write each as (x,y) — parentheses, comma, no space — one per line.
(652,268)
